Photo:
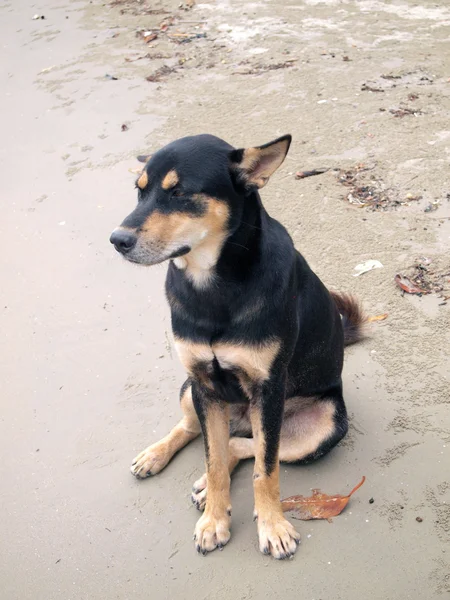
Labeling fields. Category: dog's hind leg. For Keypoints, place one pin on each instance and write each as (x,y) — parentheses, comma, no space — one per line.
(153,459)
(312,427)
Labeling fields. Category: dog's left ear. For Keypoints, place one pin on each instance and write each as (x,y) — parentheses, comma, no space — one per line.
(254,166)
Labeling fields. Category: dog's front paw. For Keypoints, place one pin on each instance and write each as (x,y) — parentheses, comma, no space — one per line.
(212,532)
(150,461)
(277,536)
(199,491)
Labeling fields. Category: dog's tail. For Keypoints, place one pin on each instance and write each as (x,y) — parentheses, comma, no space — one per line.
(353,317)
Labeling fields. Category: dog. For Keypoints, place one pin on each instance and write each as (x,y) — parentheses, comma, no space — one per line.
(261,338)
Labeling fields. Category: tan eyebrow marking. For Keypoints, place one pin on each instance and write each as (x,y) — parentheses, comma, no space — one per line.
(170,180)
(142,181)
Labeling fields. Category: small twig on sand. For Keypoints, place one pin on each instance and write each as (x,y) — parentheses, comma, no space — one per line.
(304,174)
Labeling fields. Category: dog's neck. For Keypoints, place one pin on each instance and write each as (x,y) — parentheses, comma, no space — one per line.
(225,256)
(199,264)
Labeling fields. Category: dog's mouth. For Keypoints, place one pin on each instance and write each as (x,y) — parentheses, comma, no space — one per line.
(181,252)
(140,257)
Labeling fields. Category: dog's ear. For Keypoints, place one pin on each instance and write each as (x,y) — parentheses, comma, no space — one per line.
(254,166)
(143,158)
(142,180)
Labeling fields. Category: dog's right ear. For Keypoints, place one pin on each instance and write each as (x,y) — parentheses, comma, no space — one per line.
(142,180)
(144,158)
(254,166)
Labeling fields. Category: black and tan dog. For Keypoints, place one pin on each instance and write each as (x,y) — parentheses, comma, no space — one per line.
(261,338)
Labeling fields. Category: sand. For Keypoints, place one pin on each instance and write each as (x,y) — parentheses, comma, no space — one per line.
(88,371)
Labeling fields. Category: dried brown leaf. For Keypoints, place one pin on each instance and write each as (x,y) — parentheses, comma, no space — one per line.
(318,505)
(150,37)
(303,174)
(407,285)
(377,318)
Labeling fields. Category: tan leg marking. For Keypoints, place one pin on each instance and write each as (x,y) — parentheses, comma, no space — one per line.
(213,528)
(276,535)
(153,459)
(239,449)
(306,425)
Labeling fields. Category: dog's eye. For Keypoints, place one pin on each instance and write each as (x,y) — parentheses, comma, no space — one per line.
(177,193)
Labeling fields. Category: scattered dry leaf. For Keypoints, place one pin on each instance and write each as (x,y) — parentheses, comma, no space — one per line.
(317,506)
(407,285)
(261,68)
(150,37)
(403,111)
(187,5)
(166,23)
(368,189)
(160,73)
(137,8)
(303,174)
(147,36)
(427,276)
(377,318)
(369,88)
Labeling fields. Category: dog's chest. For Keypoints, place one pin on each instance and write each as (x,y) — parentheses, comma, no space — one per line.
(253,362)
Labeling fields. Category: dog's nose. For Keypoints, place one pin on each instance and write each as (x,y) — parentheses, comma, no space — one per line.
(123,240)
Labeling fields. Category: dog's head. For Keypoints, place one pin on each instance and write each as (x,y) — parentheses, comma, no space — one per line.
(191,195)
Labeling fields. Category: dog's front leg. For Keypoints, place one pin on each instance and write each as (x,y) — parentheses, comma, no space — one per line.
(276,535)
(213,528)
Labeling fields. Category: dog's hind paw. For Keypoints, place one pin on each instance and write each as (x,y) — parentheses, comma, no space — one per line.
(200,484)
(199,500)
(199,491)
